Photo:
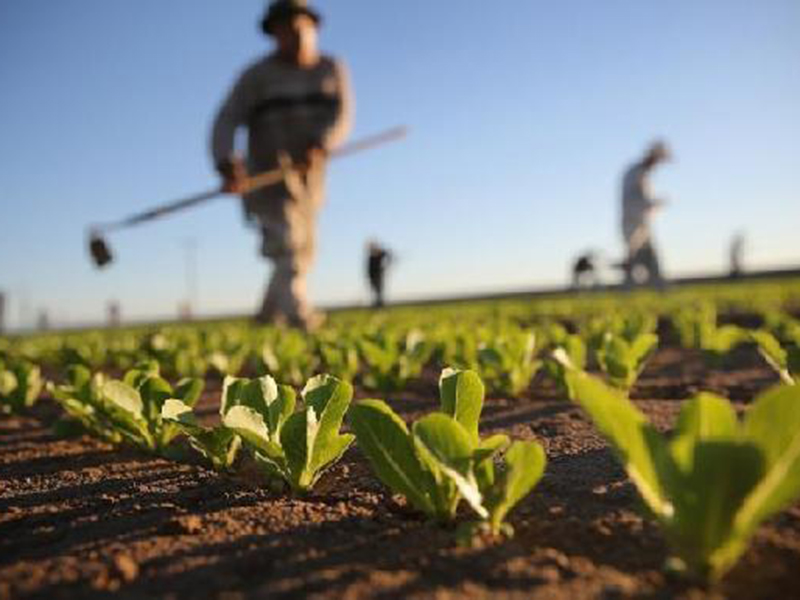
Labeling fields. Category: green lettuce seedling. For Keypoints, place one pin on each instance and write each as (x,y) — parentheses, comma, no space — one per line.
(130,409)
(288,356)
(697,328)
(219,445)
(571,351)
(715,479)
(20,385)
(507,363)
(391,360)
(294,446)
(340,358)
(442,459)
(784,358)
(83,404)
(716,343)
(623,361)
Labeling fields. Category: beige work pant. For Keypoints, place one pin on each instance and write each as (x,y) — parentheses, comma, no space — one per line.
(288,227)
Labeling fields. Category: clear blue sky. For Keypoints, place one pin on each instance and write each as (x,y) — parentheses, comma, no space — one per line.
(523,115)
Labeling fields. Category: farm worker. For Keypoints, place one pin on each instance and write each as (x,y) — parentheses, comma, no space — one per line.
(295,104)
(736,255)
(378,260)
(638,207)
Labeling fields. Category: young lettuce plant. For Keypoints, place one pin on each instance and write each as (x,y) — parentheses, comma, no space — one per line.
(296,447)
(340,358)
(623,361)
(130,409)
(443,460)
(716,343)
(84,406)
(715,479)
(288,356)
(219,445)
(784,358)
(20,385)
(390,360)
(697,328)
(507,364)
(571,351)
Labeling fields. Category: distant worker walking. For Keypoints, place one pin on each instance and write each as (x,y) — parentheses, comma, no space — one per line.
(296,106)
(736,255)
(638,207)
(378,260)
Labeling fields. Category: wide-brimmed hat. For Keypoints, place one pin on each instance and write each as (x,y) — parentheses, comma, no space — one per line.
(659,151)
(283,9)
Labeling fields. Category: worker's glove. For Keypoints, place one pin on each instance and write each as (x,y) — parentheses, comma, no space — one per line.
(234,176)
(314,156)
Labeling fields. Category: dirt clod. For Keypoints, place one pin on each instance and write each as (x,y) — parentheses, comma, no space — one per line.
(126,567)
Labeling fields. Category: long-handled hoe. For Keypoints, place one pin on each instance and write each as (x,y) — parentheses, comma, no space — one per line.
(101,253)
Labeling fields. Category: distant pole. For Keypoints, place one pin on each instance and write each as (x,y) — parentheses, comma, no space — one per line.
(189,306)
(2,312)
(24,306)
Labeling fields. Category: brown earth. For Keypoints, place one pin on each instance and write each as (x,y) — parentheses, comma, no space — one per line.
(79,519)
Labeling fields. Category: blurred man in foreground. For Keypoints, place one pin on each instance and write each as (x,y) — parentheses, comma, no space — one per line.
(638,207)
(295,105)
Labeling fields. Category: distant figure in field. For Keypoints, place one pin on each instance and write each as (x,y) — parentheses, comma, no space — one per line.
(43,321)
(638,207)
(295,105)
(737,255)
(584,271)
(114,313)
(378,260)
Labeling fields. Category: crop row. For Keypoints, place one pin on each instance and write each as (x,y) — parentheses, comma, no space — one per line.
(507,355)
(708,485)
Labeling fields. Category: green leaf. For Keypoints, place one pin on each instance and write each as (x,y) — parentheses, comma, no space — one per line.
(446,448)
(125,398)
(297,440)
(189,390)
(484,458)
(772,424)
(8,383)
(772,352)
(461,394)
(273,402)
(639,447)
(125,409)
(384,438)
(219,445)
(249,424)
(524,466)
(330,398)
(707,495)
(707,417)
(575,349)
(154,391)
(180,413)
(642,347)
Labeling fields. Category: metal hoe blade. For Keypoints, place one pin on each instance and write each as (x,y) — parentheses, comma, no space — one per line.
(101,253)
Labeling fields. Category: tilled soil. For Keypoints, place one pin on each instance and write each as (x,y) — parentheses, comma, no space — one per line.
(80,519)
